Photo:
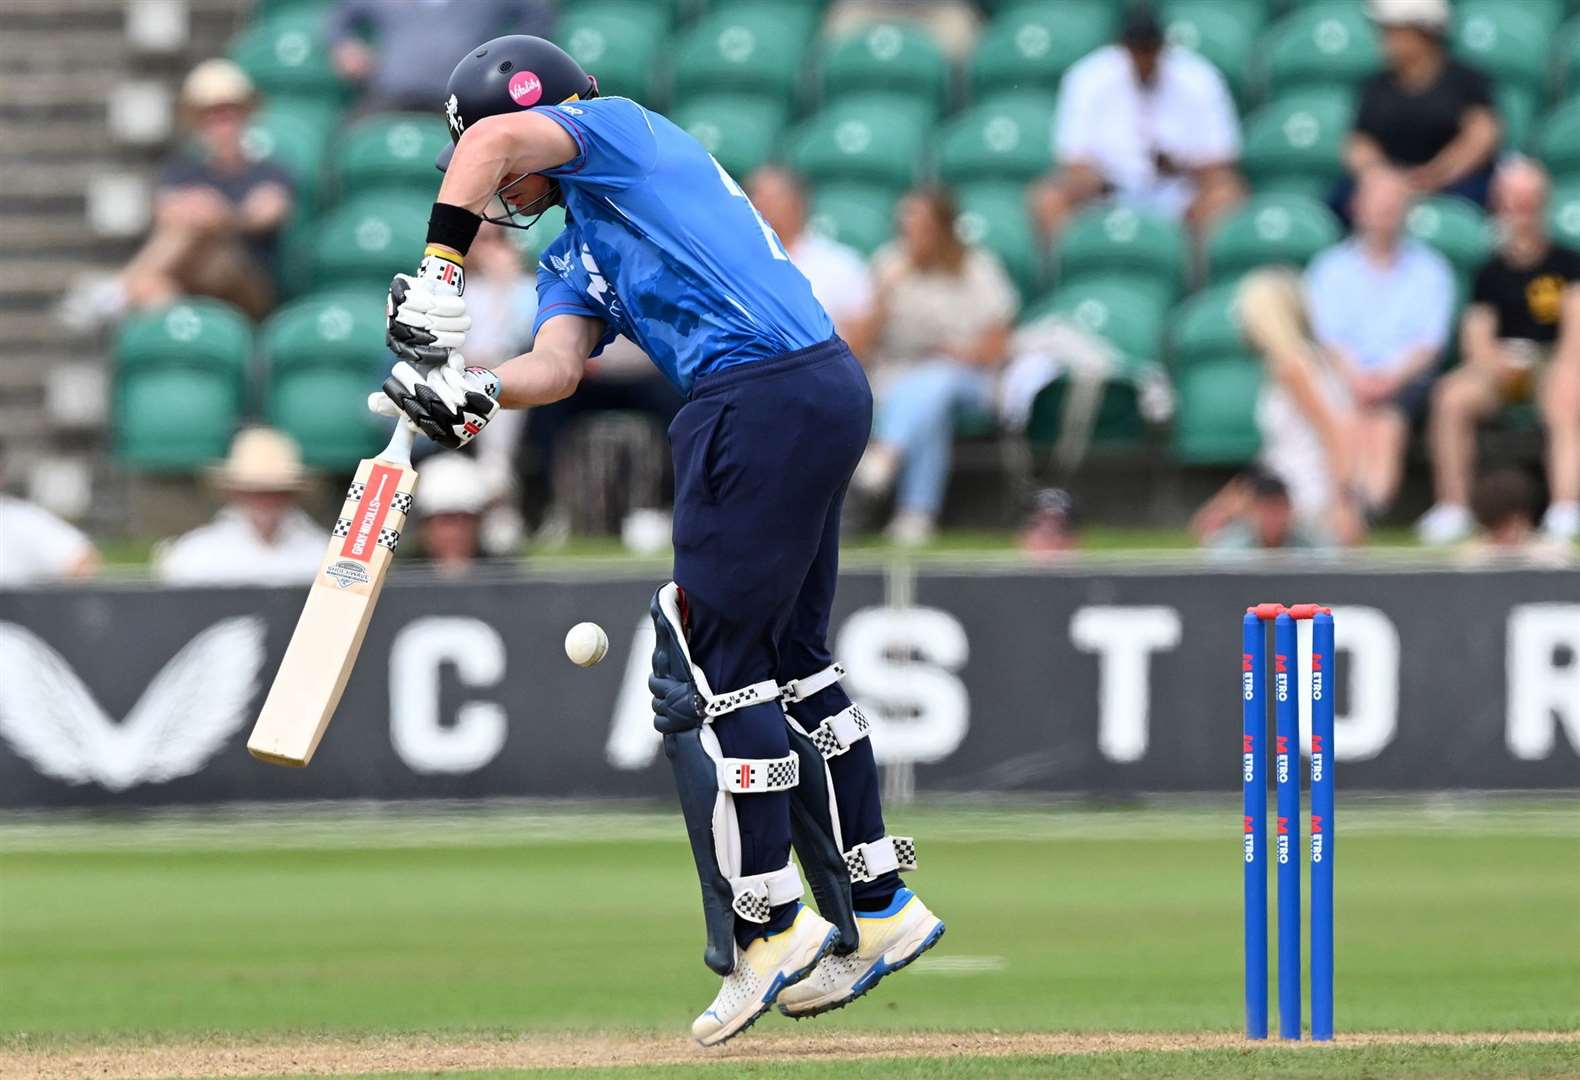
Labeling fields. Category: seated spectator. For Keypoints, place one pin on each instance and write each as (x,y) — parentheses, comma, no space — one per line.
(1520,339)
(1151,125)
(1303,412)
(1426,113)
(1381,306)
(217,214)
(402,51)
(450,503)
(952,23)
(1253,512)
(1053,528)
(260,536)
(943,320)
(838,276)
(38,548)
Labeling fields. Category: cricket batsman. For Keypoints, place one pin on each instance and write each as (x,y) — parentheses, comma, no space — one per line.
(661,245)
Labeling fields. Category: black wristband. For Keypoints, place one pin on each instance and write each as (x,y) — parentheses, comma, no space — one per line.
(453,226)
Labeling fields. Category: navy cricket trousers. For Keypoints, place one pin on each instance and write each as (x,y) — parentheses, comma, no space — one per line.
(763,454)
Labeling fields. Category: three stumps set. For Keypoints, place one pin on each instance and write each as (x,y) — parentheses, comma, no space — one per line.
(1280,681)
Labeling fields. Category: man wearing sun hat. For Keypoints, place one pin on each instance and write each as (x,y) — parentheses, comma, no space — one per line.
(260,536)
(217,213)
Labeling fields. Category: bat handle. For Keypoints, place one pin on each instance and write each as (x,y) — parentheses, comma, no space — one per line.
(399,448)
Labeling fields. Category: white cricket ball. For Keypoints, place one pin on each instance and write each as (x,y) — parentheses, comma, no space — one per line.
(586,644)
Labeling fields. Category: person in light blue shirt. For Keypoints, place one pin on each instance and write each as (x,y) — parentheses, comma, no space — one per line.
(1381,304)
(662,246)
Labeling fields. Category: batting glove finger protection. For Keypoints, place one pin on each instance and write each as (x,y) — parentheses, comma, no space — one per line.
(449,406)
(426,313)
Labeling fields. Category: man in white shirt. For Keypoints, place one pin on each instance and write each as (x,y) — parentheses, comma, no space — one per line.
(260,536)
(36,547)
(1150,124)
(838,274)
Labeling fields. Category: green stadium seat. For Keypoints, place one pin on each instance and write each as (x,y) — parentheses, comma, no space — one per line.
(322,353)
(369,240)
(1223,31)
(1116,240)
(1216,381)
(1509,42)
(296,139)
(1116,308)
(1457,228)
(1566,60)
(1009,137)
(180,384)
(1129,316)
(390,151)
(1517,110)
(1558,140)
(617,43)
(1286,229)
(288,54)
(653,20)
(875,138)
(994,216)
(1030,46)
(1563,214)
(860,215)
(887,56)
(752,48)
(1215,411)
(740,131)
(1328,43)
(1205,326)
(1296,142)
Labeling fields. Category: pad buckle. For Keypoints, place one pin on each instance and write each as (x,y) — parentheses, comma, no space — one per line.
(755,776)
(794,690)
(756,896)
(870,861)
(840,732)
(767,690)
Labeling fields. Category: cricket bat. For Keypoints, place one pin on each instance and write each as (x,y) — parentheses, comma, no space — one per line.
(340,602)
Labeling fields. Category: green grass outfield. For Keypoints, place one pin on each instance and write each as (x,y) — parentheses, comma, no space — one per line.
(278,926)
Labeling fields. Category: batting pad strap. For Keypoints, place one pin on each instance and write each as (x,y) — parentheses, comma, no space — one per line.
(872,860)
(801,689)
(767,690)
(754,776)
(758,894)
(839,732)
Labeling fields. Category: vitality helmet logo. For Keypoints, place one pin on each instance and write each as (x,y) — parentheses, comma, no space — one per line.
(525,88)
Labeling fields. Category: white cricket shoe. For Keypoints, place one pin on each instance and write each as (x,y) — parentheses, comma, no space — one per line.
(890,939)
(766,967)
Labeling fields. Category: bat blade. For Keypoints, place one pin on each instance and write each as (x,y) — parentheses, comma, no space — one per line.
(340,602)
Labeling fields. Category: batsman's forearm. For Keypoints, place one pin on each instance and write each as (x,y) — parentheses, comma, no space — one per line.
(538,378)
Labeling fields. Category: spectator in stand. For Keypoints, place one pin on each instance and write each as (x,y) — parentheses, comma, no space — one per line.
(450,502)
(402,51)
(261,536)
(217,214)
(839,278)
(1520,338)
(38,548)
(943,317)
(1303,412)
(1148,124)
(1426,113)
(1252,513)
(1381,306)
(1053,528)
(952,23)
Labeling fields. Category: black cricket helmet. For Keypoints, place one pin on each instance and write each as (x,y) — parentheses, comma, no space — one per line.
(506,75)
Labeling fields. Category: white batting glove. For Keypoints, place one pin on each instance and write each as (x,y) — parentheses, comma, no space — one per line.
(426,312)
(450,405)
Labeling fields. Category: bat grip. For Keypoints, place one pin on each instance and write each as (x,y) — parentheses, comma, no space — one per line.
(399,448)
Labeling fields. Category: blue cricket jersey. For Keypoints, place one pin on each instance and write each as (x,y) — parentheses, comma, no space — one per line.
(664,247)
